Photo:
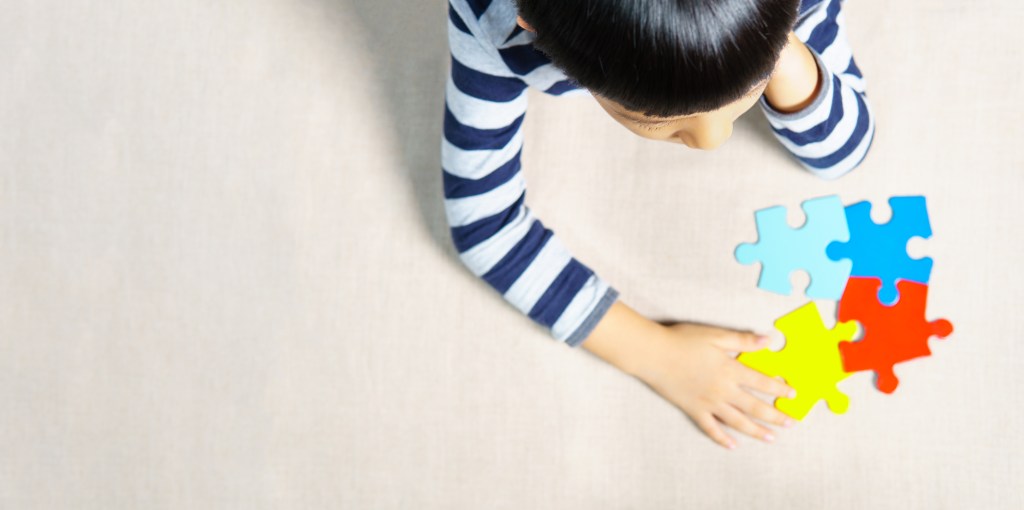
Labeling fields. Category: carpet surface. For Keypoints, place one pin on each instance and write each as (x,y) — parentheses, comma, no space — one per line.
(226,280)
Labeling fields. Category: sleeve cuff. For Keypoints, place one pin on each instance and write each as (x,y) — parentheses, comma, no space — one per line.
(598,313)
(823,92)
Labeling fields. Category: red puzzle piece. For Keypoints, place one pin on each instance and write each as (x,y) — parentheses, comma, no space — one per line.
(892,334)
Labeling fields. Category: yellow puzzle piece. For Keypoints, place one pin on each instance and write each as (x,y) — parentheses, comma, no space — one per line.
(809,362)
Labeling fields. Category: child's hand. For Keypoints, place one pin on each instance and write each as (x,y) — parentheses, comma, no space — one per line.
(690,366)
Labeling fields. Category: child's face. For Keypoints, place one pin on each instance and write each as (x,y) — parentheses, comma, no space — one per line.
(705,130)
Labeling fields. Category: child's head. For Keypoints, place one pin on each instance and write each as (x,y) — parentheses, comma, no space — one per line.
(678,70)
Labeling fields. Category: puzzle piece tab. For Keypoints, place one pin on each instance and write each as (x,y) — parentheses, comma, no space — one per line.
(809,362)
(892,334)
(782,250)
(881,250)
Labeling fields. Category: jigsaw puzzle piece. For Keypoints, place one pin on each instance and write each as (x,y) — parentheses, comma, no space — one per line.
(837,402)
(809,362)
(892,334)
(881,250)
(781,249)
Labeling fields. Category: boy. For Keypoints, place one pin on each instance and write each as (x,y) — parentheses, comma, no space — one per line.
(674,70)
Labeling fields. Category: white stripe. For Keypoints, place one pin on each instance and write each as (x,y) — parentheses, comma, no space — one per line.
(466,210)
(482,257)
(837,55)
(579,308)
(524,37)
(469,50)
(538,276)
(808,120)
(839,135)
(854,82)
(803,31)
(499,17)
(847,164)
(481,113)
(474,164)
(544,76)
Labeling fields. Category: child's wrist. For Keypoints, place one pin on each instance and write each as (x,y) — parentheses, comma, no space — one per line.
(625,339)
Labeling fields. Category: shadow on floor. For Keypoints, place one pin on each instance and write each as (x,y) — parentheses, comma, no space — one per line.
(755,120)
(409,45)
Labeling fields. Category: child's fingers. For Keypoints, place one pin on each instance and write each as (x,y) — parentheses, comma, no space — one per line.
(761,410)
(736,419)
(741,341)
(711,427)
(757,381)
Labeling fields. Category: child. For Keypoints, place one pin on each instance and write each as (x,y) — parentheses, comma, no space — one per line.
(674,70)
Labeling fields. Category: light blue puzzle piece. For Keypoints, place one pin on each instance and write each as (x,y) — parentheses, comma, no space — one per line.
(881,250)
(781,249)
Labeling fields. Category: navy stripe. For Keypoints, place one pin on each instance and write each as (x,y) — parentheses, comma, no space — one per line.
(850,145)
(456,20)
(823,34)
(460,187)
(523,58)
(478,6)
(562,87)
(560,293)
(485,86)
(471,138)
(824,128)
(853,69)
(468,236)
(512,265)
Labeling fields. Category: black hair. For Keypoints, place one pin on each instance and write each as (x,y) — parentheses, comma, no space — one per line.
(663,58)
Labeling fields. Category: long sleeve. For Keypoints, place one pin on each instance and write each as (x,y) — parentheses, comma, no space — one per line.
(495,233)
(832,135)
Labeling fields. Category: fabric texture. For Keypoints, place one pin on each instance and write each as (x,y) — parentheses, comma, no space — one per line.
(228,281)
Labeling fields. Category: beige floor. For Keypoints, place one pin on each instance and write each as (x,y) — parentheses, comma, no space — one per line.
(226,280)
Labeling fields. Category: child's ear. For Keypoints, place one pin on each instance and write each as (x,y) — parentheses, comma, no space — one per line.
(526,26)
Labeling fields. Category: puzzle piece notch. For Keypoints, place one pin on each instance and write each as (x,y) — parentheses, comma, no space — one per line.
(809,361)
(781,249)
(880,250)
(892,334)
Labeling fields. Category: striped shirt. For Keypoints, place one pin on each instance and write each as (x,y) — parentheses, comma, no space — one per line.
(497,236)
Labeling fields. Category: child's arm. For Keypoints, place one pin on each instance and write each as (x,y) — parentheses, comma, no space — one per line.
(496,234)
(500,240)
(829,133)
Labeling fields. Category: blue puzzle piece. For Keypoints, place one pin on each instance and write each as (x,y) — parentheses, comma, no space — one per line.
(881,250)
(781,249)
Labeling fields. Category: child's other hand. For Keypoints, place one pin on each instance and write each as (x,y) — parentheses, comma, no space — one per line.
(691,367)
